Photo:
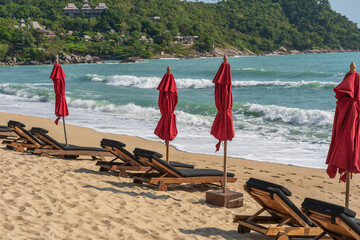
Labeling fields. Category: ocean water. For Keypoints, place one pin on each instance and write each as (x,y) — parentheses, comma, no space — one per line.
(283,105)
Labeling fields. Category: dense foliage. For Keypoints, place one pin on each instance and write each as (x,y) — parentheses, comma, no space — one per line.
(257,25)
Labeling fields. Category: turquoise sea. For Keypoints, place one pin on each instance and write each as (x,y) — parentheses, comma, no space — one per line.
(283,105)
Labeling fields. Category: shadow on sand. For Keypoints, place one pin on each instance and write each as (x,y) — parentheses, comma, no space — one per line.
(223,234)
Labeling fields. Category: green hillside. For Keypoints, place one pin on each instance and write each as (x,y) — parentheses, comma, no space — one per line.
(258,25)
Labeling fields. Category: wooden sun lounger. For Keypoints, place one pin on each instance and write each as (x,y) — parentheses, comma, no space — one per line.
(337,221)
(284,221)
(61,150)
(128,161)
(25,139)
(166,174)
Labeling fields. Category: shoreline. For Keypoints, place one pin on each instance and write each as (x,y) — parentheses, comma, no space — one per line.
(217,52)
(153,141)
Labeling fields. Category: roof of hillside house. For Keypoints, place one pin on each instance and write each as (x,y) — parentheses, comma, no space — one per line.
(36,25)
(70,6)
(101,6)
(86,5)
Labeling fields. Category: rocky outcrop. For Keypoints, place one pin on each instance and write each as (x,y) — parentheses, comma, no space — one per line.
(71,59)
(62,57)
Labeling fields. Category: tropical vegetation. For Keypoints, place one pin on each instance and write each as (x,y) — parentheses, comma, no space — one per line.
(257,25)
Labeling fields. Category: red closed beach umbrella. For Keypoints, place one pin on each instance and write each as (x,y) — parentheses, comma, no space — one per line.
(343,155)
(168,99)
(223,128)
(61,109)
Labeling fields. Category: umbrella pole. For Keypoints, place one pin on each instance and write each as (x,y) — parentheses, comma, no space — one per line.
(167,151)
(347,197)
(65,132)
(225,158)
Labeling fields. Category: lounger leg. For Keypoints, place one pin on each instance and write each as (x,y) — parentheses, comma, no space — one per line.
(102,169)
(320,236)
(137,181)
(44,155)
(282,237)
(162,187)
(123,174)
(20,149)
(93,157)
(9,147)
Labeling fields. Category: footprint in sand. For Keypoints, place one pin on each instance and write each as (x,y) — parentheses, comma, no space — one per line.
(49,214)
(274,176)
(248,168)
(319,186)
(247,173)
(288,180)
(264,171)
(327,182)
(8,227)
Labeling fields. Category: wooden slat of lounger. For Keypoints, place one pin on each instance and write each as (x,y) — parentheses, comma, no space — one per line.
(25,136)
(339,229)
(115,167)
(47,141)
(72,152)
(259,219)
(276,206)
(294,231)
(207,179)
(159,167)
(8,134)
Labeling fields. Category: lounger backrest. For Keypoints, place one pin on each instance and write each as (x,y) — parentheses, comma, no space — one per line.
(152,159)
(117,149)
(19,129)
(336,220)
(41,134)
(274,198)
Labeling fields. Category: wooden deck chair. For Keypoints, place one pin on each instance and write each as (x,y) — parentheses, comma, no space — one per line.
(61,150)
(25,139)
(6,132)
(284,220)
(337,221)
(166,174)
(128,161)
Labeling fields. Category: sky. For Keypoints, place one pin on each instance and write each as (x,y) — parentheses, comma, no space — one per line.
(349,8)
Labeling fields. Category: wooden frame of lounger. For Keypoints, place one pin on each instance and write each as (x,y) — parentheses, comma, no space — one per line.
(292,226)
(128,163)
(56,150)
(165,175)
(24,141)
(340,229)
(6,132)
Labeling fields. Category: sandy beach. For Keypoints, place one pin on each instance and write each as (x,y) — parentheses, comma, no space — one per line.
(52,198)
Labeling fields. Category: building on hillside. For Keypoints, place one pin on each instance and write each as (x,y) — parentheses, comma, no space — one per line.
(71,10)
(145,39)
(87,38)
(47,32)
(22,23)
(185,39)
(86,10)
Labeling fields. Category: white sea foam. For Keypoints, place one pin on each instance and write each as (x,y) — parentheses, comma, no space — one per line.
(292,115)
(194,131)
(153,82)
(96,78)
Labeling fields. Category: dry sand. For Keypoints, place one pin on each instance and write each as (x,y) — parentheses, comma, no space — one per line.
(51,198)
